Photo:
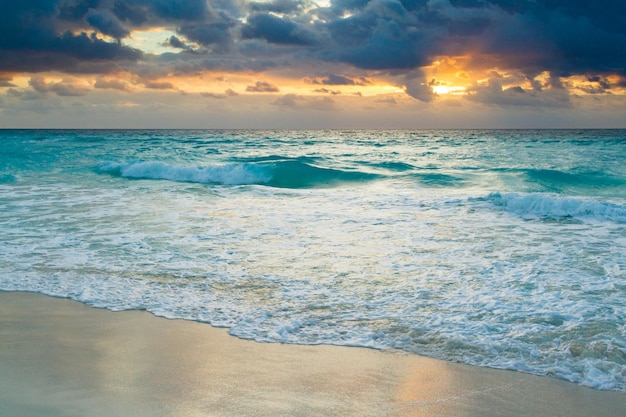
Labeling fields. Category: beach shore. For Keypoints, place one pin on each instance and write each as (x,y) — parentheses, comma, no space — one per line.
(61,358)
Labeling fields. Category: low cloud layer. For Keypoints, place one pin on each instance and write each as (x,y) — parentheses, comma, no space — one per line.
(262,87)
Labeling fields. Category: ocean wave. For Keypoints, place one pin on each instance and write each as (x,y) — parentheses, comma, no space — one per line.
(553,206)
(563,181)
(574,180)
(435,179)
(392,166)
(284,173)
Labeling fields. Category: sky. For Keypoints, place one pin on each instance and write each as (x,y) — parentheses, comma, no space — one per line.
(302,64)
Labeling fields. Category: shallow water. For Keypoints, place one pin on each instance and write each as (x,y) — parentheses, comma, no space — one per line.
(496,248)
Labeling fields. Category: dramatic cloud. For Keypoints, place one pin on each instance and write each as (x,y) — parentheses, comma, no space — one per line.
(278,30)
(106,22)
(563,37)
(34,39)
(547,52)
(175,42)
(176,9)
(277,6)
(207,34)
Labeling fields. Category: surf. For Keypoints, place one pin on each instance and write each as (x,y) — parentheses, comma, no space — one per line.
(283,173)
(540,205)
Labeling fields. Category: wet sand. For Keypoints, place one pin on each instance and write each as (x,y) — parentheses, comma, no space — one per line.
(61,358)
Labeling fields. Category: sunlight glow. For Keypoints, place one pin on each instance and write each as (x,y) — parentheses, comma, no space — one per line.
(448,89)
(152,41)
(323,3)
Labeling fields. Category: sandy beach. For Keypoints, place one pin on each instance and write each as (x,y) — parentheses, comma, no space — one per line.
(61,358)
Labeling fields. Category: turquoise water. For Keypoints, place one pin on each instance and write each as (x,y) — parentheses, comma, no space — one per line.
(504,249)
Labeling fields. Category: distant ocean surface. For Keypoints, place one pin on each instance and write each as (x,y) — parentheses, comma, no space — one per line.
(503,249)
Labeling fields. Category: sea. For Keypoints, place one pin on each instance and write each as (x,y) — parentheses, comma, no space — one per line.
(495,248)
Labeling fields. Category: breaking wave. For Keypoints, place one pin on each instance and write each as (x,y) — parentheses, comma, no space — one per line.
(284,173)
(553,206)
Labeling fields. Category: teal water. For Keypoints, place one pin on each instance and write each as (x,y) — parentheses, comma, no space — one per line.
(503,249)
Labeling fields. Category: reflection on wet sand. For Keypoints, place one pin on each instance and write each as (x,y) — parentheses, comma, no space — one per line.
(60,358)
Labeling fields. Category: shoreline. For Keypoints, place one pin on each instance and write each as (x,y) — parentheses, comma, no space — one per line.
(59,357)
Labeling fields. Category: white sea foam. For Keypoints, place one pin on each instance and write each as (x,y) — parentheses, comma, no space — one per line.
(227,174)
(443,269)
(548,205)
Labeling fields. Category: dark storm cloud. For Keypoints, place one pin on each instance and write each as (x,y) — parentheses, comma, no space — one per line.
(67,35)
(106,22)
(562,36)
(32,41)
(393,37)
(278,30)
(90,47)
(277,6)
(145,13)
(555,35)
(74,9)
(136,16)
(206,34)
(177,9)
(66,52)
(175,42)
(378,34)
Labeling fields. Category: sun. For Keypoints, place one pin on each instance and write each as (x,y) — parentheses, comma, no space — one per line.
(443,89)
